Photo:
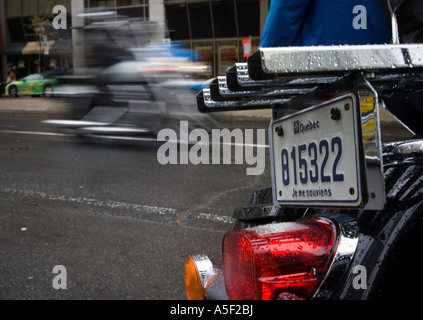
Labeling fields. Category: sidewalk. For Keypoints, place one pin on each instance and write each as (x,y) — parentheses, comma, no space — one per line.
(33,105)
(246,115)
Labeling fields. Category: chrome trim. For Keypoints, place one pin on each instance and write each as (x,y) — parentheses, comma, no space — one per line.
(372,146)
(288,60)
(215,289)
(264,94)
(204,267)
(394,23)
(408,147)
(347,235)
(211,278)
(244,79)
(210,103)
(242,75)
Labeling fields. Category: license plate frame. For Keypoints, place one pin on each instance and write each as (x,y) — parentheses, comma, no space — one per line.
(299,145)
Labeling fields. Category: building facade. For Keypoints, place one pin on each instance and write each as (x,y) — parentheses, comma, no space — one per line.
(28,43)
(213,29)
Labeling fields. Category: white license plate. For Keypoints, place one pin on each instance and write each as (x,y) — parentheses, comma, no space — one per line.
(315,156)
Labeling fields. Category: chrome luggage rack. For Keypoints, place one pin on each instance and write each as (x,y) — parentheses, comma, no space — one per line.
(288,79)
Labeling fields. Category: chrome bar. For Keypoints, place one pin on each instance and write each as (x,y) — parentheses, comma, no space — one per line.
(295,60)
(210,103)
(264,93)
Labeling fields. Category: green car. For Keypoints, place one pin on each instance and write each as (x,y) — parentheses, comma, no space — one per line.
(33,85)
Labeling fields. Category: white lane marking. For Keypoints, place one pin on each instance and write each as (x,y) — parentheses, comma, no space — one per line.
(215,218)
(111,137)
(72,135)
(113,204)
(91,202)
(37,133)
(162,211)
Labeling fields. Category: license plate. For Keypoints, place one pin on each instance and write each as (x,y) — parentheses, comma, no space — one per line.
(315,156)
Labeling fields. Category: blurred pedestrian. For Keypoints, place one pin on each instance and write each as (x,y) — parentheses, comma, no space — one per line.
(11,74)
(55,68)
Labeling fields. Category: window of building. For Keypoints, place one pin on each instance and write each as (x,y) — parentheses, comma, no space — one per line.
(29,31)
(214,29)
(65,3)
(204,53)
(29,8)
(127,8)
(100,3)
(124,3)
(45,7)
(224,21)
(19,26)
(213,19)
(177,21)
(200,20)
(248,16)
(227,55)
(13,8)
(16,29)
(134,12)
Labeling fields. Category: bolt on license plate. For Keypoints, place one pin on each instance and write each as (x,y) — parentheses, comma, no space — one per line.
(315,155)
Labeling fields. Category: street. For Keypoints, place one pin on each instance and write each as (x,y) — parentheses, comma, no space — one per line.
(104,208)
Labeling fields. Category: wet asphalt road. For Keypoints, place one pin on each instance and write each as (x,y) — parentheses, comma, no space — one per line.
(119,222)
(104,208)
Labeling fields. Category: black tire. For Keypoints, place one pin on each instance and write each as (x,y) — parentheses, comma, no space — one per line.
(13,91)
(48,91)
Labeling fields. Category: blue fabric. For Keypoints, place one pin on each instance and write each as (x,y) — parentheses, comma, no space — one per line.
(324,22)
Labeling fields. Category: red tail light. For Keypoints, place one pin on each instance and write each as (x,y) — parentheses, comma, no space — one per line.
(277,260)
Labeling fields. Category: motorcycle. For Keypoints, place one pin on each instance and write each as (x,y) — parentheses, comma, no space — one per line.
(343,214)
(131,84)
